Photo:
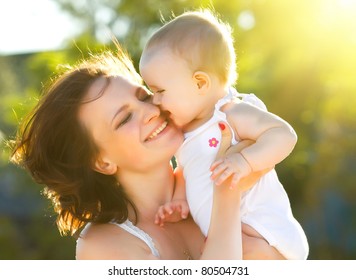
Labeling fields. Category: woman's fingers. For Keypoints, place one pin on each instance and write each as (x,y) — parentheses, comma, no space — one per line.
(225,140)
(216,164)
(236,178)
(223,176)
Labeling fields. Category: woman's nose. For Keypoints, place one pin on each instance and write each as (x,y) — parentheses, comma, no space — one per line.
(151,112)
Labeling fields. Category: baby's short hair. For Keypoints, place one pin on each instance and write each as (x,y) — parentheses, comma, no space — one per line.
(203,40)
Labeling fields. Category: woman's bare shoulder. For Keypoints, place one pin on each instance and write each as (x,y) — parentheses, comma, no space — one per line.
(108,241)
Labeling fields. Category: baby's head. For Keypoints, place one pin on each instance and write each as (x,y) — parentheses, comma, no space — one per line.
(188,63)
(202,40)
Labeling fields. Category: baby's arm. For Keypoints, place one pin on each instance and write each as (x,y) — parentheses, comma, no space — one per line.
(176,209)
(274,140)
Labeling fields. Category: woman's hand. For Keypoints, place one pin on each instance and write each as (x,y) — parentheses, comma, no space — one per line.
(224,238)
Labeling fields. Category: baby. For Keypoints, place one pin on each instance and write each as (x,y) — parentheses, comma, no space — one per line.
(189,65)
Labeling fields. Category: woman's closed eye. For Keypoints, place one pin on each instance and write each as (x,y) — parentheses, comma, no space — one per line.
(125,120)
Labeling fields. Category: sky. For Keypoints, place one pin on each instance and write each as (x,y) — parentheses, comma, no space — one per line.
(33,25)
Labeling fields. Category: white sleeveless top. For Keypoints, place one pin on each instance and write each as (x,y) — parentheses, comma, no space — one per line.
(139,233)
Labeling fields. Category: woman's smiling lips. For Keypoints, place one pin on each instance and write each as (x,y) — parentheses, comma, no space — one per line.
(157,131)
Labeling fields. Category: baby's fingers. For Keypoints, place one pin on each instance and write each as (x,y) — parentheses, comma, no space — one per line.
(184,211)
(168,209)
(158,220)
(160,215)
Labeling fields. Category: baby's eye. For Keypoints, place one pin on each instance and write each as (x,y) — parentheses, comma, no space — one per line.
(160,91)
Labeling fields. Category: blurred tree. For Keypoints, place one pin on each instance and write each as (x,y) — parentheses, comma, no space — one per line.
(25,231)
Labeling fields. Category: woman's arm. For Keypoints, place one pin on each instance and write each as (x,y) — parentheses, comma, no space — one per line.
(228,238)
(224,240)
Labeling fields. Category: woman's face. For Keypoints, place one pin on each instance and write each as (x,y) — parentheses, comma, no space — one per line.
(128,129)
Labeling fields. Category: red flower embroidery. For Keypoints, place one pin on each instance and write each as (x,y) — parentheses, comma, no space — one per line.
(213,142)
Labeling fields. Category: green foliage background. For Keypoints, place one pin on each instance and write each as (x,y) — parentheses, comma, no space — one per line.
(298,56)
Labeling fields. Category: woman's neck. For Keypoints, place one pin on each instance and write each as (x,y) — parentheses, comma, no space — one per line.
(148,190)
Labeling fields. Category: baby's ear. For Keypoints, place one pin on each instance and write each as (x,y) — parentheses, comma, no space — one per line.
(104,166)
(202,80)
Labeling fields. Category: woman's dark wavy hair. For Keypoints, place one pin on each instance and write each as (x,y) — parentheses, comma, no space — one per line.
(59,152)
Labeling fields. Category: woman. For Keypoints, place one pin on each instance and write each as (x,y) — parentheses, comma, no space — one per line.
(103,151)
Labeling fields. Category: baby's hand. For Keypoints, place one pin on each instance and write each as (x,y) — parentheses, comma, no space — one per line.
(173,211)
(233,164)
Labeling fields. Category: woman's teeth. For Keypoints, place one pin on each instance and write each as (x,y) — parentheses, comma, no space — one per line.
(157,131)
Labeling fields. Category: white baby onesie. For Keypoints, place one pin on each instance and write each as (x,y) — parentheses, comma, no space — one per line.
(265,206)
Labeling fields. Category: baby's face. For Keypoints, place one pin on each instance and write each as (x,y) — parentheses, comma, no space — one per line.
(172,82)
